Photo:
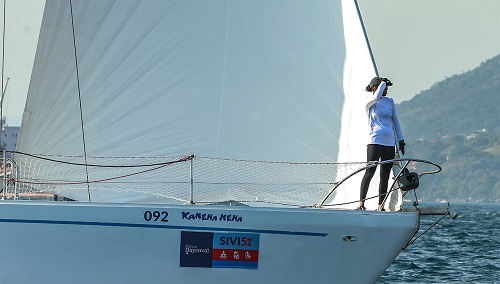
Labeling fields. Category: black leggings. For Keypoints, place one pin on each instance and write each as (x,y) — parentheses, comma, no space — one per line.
(374,153)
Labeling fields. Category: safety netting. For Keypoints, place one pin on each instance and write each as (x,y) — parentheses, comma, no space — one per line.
(185,179)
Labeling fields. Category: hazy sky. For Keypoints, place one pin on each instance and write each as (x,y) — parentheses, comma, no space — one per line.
(22,25)
(416,43)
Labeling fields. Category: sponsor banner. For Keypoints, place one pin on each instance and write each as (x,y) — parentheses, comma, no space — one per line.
(196,249)
(235,250)
(217,250)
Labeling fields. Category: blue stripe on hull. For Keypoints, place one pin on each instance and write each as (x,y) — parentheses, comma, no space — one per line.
(129,225)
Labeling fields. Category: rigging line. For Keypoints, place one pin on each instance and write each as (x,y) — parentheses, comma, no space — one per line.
(434,224)
(264,183)
(366,37)
(355,201)
(182,159)
(3,61)
(79,99)
(93,181)
(280,162)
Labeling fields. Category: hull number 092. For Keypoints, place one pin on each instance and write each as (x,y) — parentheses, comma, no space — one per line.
(156,216)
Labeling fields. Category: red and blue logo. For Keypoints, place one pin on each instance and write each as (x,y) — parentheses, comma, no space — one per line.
(235,250)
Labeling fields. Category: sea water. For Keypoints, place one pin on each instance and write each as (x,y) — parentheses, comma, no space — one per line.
(465,250)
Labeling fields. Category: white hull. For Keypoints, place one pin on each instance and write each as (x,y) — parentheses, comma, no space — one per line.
(66,242)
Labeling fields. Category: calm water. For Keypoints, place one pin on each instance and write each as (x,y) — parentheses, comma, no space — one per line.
(466,250)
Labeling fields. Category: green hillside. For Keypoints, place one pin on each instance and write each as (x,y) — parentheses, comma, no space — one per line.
(456,124)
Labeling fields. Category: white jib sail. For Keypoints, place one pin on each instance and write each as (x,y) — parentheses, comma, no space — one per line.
(240,80)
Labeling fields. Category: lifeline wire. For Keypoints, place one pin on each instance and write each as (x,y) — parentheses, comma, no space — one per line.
(182,159)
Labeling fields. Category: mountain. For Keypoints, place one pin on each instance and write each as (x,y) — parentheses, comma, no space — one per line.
(459,104)
(456,123)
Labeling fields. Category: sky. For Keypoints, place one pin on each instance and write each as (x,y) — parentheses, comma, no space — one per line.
(416,43)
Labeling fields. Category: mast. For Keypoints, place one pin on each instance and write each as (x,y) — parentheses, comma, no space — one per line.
(3,61)
(1,108)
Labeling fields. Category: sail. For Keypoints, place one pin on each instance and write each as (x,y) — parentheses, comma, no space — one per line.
(276,81)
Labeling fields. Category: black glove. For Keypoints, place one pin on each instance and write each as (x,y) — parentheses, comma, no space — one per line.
(402,146)
(387,81)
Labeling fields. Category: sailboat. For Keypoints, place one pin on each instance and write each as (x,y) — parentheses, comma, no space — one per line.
(200,142)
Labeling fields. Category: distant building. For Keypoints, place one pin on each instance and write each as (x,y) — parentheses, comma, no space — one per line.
(9,137)
(474,134)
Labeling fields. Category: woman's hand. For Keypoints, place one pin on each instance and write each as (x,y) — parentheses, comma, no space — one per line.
(402,145)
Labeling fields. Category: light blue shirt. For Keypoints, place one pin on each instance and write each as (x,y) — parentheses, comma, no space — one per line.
(383,122)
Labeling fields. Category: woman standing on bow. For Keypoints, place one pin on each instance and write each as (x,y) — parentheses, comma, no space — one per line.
(384,131)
